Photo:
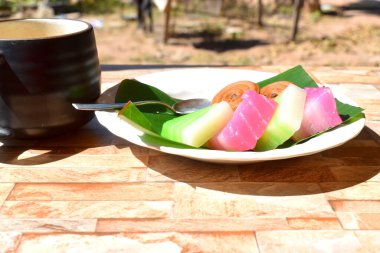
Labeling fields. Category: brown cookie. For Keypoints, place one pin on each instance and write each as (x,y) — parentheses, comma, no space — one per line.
(274,89)
(232,93)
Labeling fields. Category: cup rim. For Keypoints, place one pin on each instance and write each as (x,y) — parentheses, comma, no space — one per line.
(88,28)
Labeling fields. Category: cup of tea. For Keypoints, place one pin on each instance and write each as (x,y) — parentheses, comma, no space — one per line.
(45,66)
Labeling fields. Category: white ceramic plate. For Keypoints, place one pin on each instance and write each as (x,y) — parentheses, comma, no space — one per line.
(205,82)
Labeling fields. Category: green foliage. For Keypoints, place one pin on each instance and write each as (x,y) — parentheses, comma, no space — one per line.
(316,16)
(86,6)
(5,5)
(285,9)
(15,3)
(99,6)
(241,10)
(210,30)
(328,44)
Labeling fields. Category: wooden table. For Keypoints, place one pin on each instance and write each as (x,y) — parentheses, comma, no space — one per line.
(90,191)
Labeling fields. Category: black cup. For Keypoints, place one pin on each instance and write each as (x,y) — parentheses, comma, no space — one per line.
(45,66)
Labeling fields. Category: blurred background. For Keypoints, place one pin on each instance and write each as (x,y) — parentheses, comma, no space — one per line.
(222,32)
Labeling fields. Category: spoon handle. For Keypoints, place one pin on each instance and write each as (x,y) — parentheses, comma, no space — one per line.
(97,107)
(104,107)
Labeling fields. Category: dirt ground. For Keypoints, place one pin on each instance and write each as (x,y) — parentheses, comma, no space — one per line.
(349,39)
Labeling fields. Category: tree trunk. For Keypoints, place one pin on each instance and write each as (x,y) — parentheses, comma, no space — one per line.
(296,16)
(312,5)
(260,13)
(168,10)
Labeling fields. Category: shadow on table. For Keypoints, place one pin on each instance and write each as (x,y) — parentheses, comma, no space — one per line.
(350,164)
(47,150)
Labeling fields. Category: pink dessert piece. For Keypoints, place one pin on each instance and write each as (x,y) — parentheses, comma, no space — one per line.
(320,113)
(248,123)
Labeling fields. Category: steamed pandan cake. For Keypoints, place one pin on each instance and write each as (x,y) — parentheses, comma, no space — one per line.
(320,113)
(248,123)
(286,119)
(196,128)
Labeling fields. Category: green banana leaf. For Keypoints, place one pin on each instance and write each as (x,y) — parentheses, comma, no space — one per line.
(150,118)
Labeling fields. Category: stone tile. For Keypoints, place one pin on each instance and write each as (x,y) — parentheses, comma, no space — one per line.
(92,243)
(359,161)
(206,242)
(270,189)
(250,200)
(356,173)
(370,240)
(86,209)
(348,220)
(314,223)
(353,77)
(276,172)
(351,220)
(191,225)
(308,241)
(73,174)
(9,241)
(100,191)
(174,168)
(135,242)
(364,143)
(104,150)
(358,206)
(48,225)
(89,136)
(5,189)
(351,191)
(371,108)
(343,151)
(131,149)
(311,161)
(364,135)
(356,92)
(243,242)
(369,220)
(135,225)
(374,130)
(69,161)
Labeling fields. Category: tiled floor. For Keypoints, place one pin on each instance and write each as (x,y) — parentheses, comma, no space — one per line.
(90,191)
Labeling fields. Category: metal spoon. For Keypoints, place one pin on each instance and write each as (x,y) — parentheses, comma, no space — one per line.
(181,107)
